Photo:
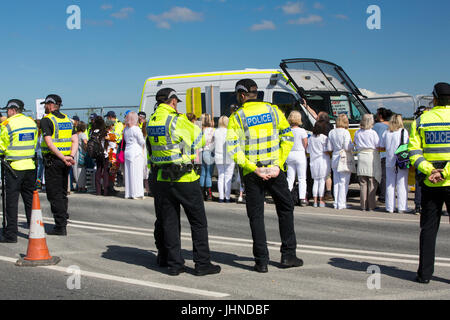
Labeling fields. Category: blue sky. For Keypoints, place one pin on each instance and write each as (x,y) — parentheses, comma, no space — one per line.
(123,42)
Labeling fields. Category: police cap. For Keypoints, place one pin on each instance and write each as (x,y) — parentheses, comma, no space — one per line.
(166,94)
(16,104)
(247,86)
(441,89)
(53,98)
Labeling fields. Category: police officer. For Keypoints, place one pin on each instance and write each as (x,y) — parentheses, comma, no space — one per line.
(259,140)
(178,183)
(118,126)
(429,150)
(59,146)
(18,140)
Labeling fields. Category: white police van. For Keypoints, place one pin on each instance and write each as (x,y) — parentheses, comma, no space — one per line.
(324,85)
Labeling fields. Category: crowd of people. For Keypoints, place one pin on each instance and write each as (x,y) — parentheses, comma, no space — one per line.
(329,167)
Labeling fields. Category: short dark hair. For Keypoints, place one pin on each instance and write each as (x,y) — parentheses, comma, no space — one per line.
(320,127)
(81,127)
(386,114)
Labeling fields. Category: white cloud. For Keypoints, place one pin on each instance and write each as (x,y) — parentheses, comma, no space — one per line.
(309,20)
(293,7)
(318,6)
(123,13)
(341,16)
(176,14)
(106,7)
(265,25)
(404,106)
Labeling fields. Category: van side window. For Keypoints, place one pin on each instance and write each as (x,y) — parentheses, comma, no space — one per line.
(229,98)
(288,103)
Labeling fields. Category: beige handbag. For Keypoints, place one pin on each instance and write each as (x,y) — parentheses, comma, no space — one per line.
(346,162)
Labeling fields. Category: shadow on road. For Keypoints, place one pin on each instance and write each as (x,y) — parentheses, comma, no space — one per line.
(385,270)
(147,258)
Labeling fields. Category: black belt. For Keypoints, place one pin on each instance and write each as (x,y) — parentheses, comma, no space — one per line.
(175,171)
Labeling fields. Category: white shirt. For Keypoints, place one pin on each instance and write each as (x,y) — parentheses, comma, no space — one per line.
(220,147)
(209,139)
(317,146)
(367,139)
(339,139)
(381,128)
(391,141)
(299,135)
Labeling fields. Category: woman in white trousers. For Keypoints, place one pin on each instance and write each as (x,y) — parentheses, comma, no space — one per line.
(225,165)
(396,179)
(296,161)
(319,161)
(339,140)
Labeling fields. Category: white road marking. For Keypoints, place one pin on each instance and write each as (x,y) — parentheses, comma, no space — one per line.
(327,251)
(210,294)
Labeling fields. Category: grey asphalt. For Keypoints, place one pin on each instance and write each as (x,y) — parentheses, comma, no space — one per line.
(111,240)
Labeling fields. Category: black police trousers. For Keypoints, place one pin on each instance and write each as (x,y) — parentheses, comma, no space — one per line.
(278,188)
(169,197)
(23,185)
(432,203)
(56,183)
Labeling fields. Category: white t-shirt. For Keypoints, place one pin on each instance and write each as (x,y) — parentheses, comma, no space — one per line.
(299,135)
(317,146)
(391,141)
(367,139)
(209,139)
(319,160)
(220,147)
(339,139)
(380,128)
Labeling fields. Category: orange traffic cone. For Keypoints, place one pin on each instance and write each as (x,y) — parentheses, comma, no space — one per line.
(37,254)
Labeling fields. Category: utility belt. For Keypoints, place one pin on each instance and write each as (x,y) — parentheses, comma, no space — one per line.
(175,171)
(49,159)
(421,177)
(264,164)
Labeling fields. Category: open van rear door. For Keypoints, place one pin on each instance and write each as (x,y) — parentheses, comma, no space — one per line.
(319,79)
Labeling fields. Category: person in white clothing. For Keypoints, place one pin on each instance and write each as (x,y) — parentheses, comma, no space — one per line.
(339,141)
(225,165)
(396,178)
(134,158)
(296,161)
(369,162)
(319,161)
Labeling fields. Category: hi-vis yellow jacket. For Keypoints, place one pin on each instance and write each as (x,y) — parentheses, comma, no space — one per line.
(18,139)
(62,135)
(174,139)
(259,132)
(429,143)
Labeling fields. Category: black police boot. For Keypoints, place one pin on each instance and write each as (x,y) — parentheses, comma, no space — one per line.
(8,240)
(175,271)
(419,279)
(57,231)
(206,270)
(291,262)
(261,267)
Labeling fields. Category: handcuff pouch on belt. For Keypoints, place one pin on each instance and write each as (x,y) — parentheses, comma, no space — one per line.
(175,171)
(263,164)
